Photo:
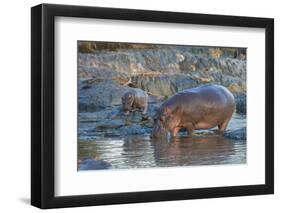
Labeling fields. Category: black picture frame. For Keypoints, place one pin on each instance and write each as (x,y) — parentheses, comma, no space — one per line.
(43,102)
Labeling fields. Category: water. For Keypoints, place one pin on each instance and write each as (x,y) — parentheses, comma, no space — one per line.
(208,148)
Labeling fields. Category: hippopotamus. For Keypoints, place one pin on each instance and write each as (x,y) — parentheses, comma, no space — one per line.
(135,98)
(203,107)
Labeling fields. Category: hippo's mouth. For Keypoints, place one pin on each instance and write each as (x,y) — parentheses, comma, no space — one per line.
(126,112)
(159,132)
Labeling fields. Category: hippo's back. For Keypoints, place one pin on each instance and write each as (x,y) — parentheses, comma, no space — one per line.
(209,96)
(139,93)
(211,90)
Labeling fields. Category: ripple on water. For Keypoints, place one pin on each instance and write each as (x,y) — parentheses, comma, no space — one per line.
(139,152)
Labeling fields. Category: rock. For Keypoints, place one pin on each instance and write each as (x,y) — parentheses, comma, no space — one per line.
(98,74)
(238,134)
(92,164)
(110,124)
(164,85)
(104,123)
(160,70)
(241,102)
(134,117)
(235,88)
(134,129)
(99,115)
(100,95)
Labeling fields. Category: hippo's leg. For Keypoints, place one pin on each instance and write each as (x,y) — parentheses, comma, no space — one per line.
(133,108)
(222,126)
(175,131)
(144,109)
(190,127)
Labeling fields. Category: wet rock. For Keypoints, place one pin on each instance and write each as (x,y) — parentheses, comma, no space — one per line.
(134,129)
(110,124)
(134,117)
(241,102)
(92,164)
(238,134)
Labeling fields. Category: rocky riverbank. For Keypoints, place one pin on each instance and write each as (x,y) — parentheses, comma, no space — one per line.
(107,70)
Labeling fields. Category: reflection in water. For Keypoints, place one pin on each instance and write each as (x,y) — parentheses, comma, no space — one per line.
(200,150)
(141,152)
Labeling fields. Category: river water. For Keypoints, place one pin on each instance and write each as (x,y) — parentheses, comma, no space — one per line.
(139,151)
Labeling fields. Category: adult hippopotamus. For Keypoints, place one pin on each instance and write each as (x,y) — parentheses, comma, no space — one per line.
(135,98)
(203,107)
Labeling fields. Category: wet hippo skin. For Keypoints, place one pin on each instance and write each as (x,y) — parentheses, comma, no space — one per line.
(203,107)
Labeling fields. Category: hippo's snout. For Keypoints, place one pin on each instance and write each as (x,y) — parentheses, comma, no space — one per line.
(127,112)
(127,107)
(159,131)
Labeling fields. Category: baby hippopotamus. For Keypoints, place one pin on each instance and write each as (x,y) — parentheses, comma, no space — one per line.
(135,98)
(203,107)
